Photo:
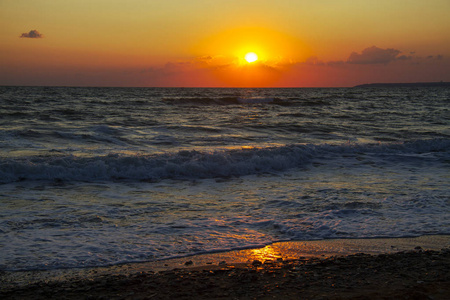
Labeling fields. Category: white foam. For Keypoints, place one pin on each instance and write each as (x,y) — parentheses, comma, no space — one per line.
(103,223)
(199,165)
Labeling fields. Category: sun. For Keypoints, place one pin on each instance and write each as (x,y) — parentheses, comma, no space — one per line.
(251,57)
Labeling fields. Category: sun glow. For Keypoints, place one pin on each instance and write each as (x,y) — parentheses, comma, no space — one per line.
(251,57)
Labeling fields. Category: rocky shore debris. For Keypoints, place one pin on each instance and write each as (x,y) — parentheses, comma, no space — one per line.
(416,274)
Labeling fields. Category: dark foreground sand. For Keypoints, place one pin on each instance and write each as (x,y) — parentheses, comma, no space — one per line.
(416,273)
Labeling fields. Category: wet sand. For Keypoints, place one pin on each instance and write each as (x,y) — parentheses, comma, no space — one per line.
(406,268)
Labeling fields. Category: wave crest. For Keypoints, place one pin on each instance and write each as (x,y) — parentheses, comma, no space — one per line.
(194,164)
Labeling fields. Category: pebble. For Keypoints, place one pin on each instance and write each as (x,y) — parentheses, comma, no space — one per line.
(256,263)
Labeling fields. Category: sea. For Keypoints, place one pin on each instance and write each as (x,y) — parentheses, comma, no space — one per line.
(104,176)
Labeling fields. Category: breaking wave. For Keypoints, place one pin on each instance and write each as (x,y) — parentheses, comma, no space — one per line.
(188,165)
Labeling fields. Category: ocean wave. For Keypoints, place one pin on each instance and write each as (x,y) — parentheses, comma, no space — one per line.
(227,101)
(187,165)
(234,100)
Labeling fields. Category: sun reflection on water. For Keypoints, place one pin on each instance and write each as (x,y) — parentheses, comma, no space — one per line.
(264,254)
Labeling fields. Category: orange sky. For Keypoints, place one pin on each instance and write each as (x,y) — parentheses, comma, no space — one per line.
(203,43)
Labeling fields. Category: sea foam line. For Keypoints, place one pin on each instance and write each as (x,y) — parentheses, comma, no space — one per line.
(195,164)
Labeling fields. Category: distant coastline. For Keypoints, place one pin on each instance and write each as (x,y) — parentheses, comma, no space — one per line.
(412,84)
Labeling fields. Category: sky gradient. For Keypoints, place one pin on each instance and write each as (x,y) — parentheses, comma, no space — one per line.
(202,43)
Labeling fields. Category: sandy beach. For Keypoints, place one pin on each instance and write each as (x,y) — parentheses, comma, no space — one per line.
(407,268)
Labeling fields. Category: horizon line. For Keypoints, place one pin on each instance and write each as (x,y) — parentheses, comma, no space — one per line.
(445,83)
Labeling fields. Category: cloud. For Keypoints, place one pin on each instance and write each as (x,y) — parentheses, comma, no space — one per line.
(373,55)
(437,57)
(33,34)
(313,60)
(373,64)
(405,57)
(213,71)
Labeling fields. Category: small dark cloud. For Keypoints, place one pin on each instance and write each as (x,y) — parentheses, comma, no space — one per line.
(33,34)
(404,57)
(206,57)
(313,60)
(374,55)
(435,57)
(336,63)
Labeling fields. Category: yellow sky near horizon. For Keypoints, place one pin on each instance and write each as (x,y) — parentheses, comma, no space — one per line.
(99,34)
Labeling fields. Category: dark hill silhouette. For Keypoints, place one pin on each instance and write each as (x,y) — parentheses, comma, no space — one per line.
(412,84)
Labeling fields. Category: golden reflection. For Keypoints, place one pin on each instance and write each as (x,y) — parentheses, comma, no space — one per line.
(264,254)
(246,147)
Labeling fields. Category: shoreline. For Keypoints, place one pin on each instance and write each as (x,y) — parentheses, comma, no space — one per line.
(284,254)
